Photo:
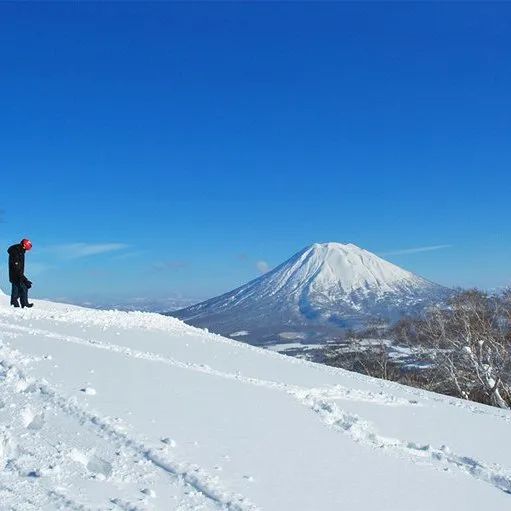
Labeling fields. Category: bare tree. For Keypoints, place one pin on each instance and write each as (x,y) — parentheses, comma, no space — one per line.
(469,340)
(377,362)
(366,355)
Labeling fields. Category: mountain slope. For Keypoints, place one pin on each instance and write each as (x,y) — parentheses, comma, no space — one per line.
(106,410)
(325,286)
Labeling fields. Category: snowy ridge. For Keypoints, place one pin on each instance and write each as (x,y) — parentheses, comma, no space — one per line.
(172,421)
(329,285)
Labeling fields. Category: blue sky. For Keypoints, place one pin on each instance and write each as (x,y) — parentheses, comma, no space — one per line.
(158,149)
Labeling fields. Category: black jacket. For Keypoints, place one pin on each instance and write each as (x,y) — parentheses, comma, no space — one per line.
(16,263)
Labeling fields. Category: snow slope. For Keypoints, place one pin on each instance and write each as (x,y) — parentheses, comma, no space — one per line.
(107,410)
(325,286)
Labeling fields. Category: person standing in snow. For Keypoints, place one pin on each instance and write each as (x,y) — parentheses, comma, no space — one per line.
(20,283)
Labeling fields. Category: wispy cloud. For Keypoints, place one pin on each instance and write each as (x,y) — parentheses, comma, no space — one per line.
(262,266)
(416,250)
(79,250)
(129,255)
(169,265)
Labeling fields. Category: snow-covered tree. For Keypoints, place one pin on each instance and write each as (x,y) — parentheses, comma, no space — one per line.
(470,339)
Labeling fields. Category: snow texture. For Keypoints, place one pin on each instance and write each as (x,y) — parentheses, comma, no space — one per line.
(183,419)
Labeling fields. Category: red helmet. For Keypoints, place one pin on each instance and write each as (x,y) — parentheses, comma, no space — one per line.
(26,244)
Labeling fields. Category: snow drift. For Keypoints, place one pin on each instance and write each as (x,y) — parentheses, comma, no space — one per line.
(107,410)
(325,287)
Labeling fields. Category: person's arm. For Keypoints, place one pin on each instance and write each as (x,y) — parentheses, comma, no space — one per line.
(15,263)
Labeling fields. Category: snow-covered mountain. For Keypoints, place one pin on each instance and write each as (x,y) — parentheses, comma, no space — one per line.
(110,410)
(324,288)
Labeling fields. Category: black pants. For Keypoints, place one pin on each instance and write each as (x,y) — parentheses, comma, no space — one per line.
(19,290)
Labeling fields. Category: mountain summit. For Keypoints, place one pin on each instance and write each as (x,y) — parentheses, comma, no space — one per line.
(326,286)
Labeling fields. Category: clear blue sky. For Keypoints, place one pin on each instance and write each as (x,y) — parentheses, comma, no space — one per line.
(158,148)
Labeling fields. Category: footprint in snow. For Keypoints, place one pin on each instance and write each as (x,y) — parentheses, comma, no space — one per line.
(22,385)
(168,441)
(31,419)
(89,391)
(99,467)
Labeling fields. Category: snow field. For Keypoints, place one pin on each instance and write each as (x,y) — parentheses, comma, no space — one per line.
(111,410)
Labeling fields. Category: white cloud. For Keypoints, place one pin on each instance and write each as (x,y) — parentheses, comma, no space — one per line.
(416,250)
(262,266)
(78,250)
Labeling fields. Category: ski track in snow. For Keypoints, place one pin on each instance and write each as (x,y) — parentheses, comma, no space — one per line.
(320,400)
(190,474)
